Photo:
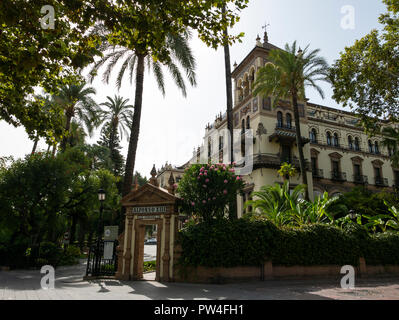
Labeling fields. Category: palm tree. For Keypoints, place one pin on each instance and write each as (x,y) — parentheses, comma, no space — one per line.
(274,202)
(77,103)
(118,116)
(285,76)
(77,134)
(136,60)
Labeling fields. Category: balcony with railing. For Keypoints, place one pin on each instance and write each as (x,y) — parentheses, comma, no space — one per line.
(338,176)
(359,179)
(274,161)
(318,173)
(285,126)
(381,182)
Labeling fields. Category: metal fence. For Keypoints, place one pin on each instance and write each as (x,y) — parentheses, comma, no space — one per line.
(102,259)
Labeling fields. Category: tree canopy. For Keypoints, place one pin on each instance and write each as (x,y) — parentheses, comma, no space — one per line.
(366,77)
(33,57)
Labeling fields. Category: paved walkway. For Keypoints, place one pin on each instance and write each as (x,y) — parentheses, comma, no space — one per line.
(69,284)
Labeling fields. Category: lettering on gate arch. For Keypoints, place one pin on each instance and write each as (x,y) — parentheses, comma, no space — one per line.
(149,205)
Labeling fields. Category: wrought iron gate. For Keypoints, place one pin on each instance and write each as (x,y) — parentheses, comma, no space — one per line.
(102,262)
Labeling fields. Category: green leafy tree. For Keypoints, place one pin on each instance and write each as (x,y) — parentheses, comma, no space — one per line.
(365,77)
(33,57)
(286,75)
(391,140)
(206,190)
(53,57)
(140,179)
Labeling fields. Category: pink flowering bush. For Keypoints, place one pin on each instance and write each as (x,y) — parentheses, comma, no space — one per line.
(207,190)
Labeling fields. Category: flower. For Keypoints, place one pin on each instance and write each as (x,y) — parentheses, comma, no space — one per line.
(238,178)
(203,201)
(201,174)
(231,170)
(225,181)
(207,180)
(225,191)
(193,204)
(204,185)
(214,198)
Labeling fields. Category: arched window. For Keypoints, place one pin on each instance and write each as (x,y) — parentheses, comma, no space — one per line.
(336,140)
(357,144)
(243,126)
(279,119)
(329,139)
(313,136)
(376,148)
(371,149)
(289,120)
(350,143)
(248,123)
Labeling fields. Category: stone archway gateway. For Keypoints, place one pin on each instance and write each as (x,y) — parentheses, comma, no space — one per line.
(148,205)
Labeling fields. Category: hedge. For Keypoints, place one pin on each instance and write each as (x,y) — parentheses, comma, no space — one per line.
(231,243)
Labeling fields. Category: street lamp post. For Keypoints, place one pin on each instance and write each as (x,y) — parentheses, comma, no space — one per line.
(101,198)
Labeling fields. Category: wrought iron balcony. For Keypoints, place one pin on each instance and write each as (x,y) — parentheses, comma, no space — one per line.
(318,173)
(359,179)
(285,126)
(381,182)
(274,161)
(338,176)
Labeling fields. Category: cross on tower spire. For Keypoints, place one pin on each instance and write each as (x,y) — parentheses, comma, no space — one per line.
(265,37)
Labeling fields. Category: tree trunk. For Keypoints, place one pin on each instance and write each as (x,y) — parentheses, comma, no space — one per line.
(35,144)
(73,228)
(67,128)
(112,144)
(54,149)
(229,97)
(135,129)
(229,91)
(302,163)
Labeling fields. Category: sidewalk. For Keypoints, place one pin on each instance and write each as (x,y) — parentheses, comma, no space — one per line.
(69,285)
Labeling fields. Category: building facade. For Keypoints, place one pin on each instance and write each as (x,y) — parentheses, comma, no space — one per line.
(338,154)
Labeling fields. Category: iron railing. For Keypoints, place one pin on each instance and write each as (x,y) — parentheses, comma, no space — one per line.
(381,182)
(359,179)
(338,176)
(318,173)
(97,264)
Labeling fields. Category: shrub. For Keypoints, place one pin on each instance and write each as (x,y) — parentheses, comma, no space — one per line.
(382,249)
(150,266)
(50,253)
(315,245)
(207,190)
(246,242)
(71,256)
(227,243)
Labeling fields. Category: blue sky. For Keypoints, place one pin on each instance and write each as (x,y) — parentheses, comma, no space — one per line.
(172,125)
